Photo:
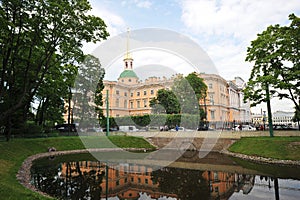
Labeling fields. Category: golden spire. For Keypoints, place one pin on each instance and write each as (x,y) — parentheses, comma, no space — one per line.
(127,55)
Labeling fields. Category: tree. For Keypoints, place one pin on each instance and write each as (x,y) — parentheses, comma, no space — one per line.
(35,37)
(198,85)
(99,96)
(165,102)
(200,89)
(87,84)
(296,118)
(189,90)
(276,70)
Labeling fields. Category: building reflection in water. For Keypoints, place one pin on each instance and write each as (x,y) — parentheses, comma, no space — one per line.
(96,180)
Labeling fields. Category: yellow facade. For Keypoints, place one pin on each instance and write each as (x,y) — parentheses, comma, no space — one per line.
(131,96)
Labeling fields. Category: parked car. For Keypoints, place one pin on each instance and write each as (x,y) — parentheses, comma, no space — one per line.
(283,127)
(66,127)
(203,126)
(244,128)
(163,128)
(111,129)
(128,128)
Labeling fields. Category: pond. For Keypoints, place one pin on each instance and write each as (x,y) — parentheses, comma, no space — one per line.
(216,176)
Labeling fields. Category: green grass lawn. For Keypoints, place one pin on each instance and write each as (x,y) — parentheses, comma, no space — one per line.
(14,152)
(284,148)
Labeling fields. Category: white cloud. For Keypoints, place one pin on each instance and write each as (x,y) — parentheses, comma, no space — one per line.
(143,4)
(241,19)
(138,3)
(228,26)
(115,24)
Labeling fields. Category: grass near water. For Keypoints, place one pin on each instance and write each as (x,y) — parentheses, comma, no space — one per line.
(14,152)
(283,148)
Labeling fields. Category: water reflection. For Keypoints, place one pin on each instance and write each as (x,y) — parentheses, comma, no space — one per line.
(103,180)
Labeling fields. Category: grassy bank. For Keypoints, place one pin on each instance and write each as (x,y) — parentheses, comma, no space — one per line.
(283,148)
(13,153)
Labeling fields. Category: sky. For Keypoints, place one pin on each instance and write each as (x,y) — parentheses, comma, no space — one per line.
(222,28)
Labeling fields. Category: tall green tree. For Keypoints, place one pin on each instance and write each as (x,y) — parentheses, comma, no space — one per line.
(296,118)
(276,64)
(189,90)
(99,96)
(87,87)
(165,102)
(198,85)
(35,36)
(276,70)
(200,89)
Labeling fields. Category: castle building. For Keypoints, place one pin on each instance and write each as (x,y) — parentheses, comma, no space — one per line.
(131,96)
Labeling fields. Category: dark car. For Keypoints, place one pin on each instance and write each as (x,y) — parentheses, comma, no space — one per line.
(111,129)
(66,127)
(203,126)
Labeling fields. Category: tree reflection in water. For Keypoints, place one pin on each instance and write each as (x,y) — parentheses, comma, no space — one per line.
(69,181)
(88,180)
(186,184)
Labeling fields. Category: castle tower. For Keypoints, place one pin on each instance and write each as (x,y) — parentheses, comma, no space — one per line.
(128,76)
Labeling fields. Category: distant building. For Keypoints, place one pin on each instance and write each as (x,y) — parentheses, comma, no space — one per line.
(278,118)
(283,118)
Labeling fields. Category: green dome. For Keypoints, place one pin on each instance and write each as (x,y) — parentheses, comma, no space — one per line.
(128,74)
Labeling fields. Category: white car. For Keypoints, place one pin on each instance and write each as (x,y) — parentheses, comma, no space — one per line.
(244,128)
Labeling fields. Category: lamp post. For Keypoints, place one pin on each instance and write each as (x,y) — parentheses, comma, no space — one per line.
(264,119)
(107,113)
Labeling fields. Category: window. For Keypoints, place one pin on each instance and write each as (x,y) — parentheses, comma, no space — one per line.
(131,104)
(138,104)
(125,94)
(211,99)
(139,180)
(152,92)
(145,103)
(137,93)
(117,92)
(129,80)
(212,114)
(125,103)
(216,176)
(146,181)
(145,92)
(117,102)
(131,94)
(210,86)
(117,183)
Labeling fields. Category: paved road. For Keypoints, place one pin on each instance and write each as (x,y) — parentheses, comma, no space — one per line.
(211,134)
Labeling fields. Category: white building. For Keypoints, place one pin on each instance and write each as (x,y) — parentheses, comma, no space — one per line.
(282,117)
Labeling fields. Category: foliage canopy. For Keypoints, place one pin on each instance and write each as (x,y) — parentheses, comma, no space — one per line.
(276,63)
